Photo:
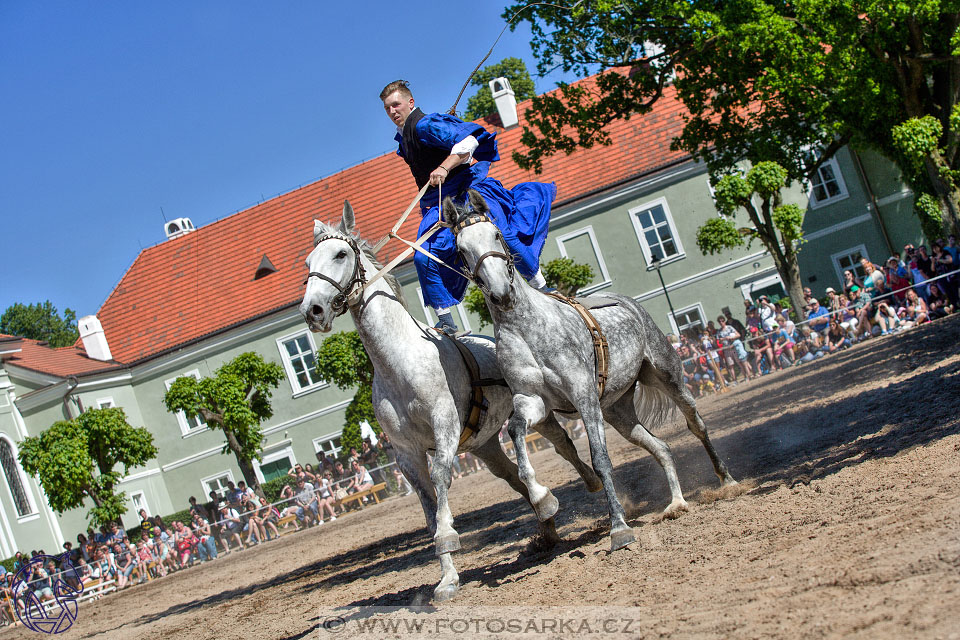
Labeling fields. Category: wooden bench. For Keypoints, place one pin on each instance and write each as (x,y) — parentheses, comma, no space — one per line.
(534,441)
(282,523)
(360,495)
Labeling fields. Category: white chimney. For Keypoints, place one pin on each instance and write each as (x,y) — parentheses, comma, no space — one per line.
(178,227)
(506,102)
(94,340)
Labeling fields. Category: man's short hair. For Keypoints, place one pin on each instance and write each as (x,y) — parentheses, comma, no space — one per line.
(397,85)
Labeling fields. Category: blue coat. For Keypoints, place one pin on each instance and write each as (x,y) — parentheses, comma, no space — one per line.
(522,213)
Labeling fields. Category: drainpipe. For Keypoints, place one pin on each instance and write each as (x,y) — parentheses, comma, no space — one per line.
(72,383)
(873,203)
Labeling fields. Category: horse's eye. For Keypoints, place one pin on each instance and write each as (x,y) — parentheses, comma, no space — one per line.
(341,255)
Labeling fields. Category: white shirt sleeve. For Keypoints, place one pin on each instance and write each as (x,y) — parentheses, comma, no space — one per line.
(468,145)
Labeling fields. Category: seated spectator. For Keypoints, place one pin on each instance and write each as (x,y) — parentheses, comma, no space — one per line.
(783,347)
(207,545)
(232,524)
(252,523)
(818,318)
(836,337)
(914,309)
(269,517)
(124,562)
(361,480)
(289,506)
(811,345)
(937,304)
(762,348)
(689,366)
(885,318)
(165,549)
(306,500)
(143,559)
(753,320)
(40,582)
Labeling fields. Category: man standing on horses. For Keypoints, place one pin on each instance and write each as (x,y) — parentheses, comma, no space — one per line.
(439,149)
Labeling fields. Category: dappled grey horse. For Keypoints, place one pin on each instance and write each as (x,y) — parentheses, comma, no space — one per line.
(547,355)
(421,386)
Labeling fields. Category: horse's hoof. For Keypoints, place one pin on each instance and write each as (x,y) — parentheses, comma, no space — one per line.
(547,507)
(674,509)
(622,538)
(728,482)
(445,592)
(448,544)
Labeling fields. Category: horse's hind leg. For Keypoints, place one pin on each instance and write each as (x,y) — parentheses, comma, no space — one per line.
(501,466)
(552,431)
(623,417)
(671,383)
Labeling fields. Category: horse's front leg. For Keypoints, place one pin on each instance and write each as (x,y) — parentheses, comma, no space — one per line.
(529,410)
(413,466)
(552,431)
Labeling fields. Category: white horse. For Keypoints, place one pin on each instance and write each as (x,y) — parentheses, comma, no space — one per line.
(422,387)
(548,358)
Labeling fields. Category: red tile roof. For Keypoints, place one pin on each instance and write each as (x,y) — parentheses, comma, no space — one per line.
(203,282)
(64,361)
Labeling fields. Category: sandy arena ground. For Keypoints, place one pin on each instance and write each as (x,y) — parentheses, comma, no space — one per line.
(850,527)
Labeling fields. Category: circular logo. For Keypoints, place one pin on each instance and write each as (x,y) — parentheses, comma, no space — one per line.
(44,603)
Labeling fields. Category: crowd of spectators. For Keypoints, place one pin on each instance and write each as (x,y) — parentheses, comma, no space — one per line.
(907,290)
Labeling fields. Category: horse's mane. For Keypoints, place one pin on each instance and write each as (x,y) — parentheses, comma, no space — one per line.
(391,280)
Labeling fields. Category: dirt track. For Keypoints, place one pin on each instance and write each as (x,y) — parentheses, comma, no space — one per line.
(850,527)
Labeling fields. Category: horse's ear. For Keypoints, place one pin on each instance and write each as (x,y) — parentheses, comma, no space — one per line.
(318,230)
(449,212)
(477,203)
(348,219)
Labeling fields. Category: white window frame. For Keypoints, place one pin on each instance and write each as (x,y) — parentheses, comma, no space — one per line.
(106,403)
(34,512)
(604,274)
(841,184)
(143,498)
(699,308)
(431,317)
(185,430)
(835,259)
(286,452)
(295,387)
(634,212)
(317,442)
(206,489)
(760,283)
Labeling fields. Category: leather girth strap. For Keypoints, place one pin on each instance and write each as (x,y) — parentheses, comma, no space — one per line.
(600,347)
(477,402)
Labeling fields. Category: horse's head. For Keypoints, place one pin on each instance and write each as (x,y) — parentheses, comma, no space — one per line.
(478,239)
(335,272)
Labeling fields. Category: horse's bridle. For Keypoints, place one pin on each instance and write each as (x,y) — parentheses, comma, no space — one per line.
(342,300)
(475,218)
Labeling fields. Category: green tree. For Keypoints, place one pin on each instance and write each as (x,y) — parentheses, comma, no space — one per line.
(343,361)
(79,458)
(563,274)
(481,104)
(235,400)
(40,321)
(761,80)
(778,226)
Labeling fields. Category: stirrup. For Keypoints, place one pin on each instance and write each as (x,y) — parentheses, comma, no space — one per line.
(446,328)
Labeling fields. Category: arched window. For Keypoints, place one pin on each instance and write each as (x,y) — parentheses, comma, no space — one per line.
(12,473)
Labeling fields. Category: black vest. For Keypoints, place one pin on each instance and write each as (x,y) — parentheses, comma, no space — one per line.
(421,158)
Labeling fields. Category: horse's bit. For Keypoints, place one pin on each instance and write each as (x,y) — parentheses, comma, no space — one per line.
(340,301)
(475,218)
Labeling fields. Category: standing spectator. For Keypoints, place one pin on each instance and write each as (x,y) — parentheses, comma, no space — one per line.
(849,282)
(145,522)
(197,510)
(233,494)
(736,324)
(245,491)
(943,265)
(733,351)
(767,313)
(339,473)
(898,278)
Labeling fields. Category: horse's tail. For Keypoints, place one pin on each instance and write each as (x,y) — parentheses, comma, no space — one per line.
(653,407)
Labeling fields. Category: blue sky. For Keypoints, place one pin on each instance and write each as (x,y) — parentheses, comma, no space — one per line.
(114,110)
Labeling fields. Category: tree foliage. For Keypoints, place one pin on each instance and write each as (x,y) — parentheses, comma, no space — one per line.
(343,361)
(82,458)
(776,225)
(761,80)
(235,400)
(563,274)
(40,321)
(481,104)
